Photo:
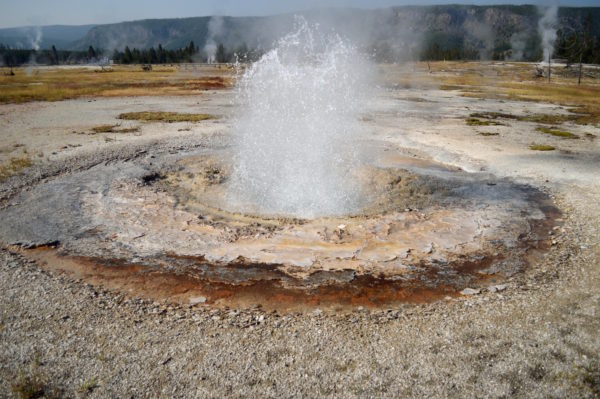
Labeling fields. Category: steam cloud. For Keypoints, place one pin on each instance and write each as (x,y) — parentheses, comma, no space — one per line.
(518,43)
(547,29)
(215,28)
(37,40)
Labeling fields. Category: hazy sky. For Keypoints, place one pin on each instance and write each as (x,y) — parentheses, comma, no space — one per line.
(81,12)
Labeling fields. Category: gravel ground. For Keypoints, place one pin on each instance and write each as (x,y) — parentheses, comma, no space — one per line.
(536,337)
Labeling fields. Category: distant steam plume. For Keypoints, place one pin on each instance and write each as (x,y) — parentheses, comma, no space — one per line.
(547,29)
(36,39)
(215,28)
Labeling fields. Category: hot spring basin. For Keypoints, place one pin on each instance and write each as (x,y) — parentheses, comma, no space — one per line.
(162,226)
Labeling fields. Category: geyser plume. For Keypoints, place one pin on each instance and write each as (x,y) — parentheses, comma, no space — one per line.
(547,29)
(215,28)
(295,136)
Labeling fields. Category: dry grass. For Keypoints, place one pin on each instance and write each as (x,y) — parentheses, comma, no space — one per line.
(55,84)
(168,117)
(517,81)
(13,166)
(33,386)
(558,133)
(487,134)
(114,129)
(479,122)
(549,119)
(541,147)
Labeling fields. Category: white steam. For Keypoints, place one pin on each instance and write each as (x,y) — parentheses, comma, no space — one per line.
(36,38)
(215,28)
(295,136)
(518,44)
(547,29)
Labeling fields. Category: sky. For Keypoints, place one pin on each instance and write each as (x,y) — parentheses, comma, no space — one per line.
(82,12)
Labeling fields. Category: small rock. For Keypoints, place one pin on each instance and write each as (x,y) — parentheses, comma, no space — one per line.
(471,291)
(197,300)
(497,288)
(428,248)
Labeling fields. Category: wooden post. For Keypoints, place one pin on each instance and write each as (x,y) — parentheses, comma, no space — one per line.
(549,62)
(580,68)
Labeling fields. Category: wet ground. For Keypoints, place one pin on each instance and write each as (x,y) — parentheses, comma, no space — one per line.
(160,223)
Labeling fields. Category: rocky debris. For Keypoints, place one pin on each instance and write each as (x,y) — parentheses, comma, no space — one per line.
(471,291)
(197,300)
(497,288)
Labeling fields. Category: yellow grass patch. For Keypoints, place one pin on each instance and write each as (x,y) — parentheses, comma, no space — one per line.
(168,117)
(541,147)
(55,84)
(13,166)
(114,129)
(557,133)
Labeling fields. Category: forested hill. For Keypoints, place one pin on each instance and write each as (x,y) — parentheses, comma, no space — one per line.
(393,34)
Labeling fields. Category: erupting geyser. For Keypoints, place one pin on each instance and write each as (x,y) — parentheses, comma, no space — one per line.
(295,134)
(194,219)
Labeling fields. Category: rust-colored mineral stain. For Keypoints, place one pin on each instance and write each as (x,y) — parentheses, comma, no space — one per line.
(244,284)
(141,281)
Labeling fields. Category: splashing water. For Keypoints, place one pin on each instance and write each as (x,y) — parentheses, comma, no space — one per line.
(296,146)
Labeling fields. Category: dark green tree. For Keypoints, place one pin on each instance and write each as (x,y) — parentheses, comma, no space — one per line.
(117,56)
(153,56)
(162,56)
(54,56)
(221,55)
(127,57)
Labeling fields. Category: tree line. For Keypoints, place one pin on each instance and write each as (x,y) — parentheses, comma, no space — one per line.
(191,53)
(578,45)
(575,45)
(12,57)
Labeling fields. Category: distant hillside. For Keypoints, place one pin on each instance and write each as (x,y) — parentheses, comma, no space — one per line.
(411,32)
(61,36)
(449,31)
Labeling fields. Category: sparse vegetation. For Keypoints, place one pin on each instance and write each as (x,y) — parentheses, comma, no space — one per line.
(492,115)
(33,386)
(29,387)
(518,82)
(557,133)
(124,81)
(541,147)
(88,386)
(549,119)
(487,134)
(479,122)
(114,129)
(13,166)
(591,377)
(168,117)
